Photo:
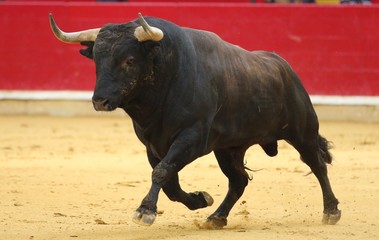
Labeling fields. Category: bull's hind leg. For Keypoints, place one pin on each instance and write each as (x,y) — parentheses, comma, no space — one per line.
(231,164)
(314,152)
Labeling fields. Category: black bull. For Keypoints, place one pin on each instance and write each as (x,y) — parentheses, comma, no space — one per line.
(188,93)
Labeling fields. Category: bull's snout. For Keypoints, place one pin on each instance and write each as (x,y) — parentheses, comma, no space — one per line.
(101,105)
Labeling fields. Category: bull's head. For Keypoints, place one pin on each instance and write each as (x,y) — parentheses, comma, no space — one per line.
(123,54)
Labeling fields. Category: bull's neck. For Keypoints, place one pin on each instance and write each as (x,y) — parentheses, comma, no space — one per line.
(146,107)
(154,100)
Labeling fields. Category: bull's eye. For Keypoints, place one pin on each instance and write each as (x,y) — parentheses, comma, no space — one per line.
(128,62)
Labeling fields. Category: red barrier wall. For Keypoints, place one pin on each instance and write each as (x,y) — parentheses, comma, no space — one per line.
(334,49)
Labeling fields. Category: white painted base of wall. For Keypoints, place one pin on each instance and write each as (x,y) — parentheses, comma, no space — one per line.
(46,95)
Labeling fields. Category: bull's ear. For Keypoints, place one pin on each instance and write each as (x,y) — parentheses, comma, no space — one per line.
(87,52)
(152,48)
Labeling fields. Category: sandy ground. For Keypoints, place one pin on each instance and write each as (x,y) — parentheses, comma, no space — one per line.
(83,177)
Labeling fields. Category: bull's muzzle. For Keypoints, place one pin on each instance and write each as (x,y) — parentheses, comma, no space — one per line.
(102,105)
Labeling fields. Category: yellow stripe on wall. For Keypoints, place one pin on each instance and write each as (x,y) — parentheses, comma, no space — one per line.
(328,1)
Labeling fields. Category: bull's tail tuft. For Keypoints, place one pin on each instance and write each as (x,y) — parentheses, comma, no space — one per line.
(324,146)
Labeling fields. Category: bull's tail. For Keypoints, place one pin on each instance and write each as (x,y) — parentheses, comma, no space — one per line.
(324,146)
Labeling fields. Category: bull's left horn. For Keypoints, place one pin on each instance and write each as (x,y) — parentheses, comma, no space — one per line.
(89,35)
(146,32)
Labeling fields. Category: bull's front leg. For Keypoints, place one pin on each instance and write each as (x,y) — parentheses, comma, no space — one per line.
(146,213)
(187,147)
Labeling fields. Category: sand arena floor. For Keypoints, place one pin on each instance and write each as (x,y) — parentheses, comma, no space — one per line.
(83,177)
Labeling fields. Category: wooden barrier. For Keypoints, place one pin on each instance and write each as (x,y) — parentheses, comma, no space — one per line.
(334,49)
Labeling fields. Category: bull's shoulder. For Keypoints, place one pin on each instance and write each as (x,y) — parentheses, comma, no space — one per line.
(265,54)
(270,58)
(201,34)
(209,43)
(203,40)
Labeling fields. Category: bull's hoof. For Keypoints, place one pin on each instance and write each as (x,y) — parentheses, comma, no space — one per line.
(208,198)
(215,223)
(331,218)
(144,218)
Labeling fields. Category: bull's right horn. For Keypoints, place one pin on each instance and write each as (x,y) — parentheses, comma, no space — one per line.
(89,35)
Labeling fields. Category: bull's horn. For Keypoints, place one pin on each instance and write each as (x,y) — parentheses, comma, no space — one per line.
(146,32)
(73,37)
